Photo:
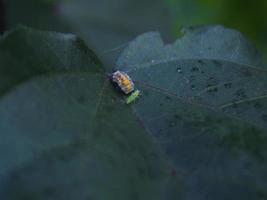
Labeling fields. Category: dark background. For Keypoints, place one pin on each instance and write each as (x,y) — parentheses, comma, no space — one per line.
(44,124)
(2,17)
(106,24)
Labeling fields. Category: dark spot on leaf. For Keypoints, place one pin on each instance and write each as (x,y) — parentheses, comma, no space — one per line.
(228,85)
(212,82)
(213,89)
(211,79)
(241,93)
(194,69)
(201,62)
(193,87)
(168,98)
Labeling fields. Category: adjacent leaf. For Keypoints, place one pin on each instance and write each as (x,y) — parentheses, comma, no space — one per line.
(65,133)
(205,103)
(221,77)
(197,132)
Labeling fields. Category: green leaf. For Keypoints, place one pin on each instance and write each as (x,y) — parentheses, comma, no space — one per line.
(197,132)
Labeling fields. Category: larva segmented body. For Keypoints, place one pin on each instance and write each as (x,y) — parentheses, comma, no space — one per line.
(123,81)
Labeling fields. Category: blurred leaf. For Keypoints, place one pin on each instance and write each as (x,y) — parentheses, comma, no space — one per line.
(245,16)
(106,24)
(103,24)
(197,132)
(41,14)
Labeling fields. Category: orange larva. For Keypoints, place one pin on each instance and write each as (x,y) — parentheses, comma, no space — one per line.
(123,81)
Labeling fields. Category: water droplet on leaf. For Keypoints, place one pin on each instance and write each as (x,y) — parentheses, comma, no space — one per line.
(179,70)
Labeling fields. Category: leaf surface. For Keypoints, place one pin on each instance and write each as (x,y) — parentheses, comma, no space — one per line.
(205,103)
(197,132)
